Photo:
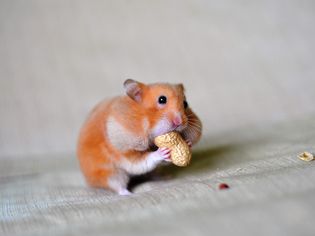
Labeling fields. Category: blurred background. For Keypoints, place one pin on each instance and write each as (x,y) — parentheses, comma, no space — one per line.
(243,63)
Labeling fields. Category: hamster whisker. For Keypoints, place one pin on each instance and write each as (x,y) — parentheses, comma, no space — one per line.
(190,115)
(193,121)
(192,118)
(194,131)
(194,125)
(190,132)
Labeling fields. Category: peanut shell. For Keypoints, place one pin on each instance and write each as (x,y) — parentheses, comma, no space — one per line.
(180,151)
(306,156)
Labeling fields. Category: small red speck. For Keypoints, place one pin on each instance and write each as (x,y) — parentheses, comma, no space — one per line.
(223,186)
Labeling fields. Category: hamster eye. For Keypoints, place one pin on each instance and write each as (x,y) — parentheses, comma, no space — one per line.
(185,104)
(162,100)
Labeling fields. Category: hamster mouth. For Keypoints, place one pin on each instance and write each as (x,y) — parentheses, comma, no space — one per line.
(179,128)
(165,126)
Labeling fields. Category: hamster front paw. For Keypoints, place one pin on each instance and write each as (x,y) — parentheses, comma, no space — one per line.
(163,154)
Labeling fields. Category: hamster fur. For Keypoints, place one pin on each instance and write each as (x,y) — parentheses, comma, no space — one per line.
(116,140)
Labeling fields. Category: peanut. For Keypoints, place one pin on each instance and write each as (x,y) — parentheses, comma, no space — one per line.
(180,151)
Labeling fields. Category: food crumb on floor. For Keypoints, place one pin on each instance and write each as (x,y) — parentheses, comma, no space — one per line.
(306,156)
(223,186)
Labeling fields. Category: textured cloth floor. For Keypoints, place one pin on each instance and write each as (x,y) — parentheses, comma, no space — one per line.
(271,192)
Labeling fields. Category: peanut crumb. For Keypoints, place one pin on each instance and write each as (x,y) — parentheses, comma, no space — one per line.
(306,156)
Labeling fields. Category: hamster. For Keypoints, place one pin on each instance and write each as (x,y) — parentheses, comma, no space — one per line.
(116,140)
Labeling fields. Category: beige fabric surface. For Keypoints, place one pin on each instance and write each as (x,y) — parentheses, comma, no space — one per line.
(248,68)
(271,192)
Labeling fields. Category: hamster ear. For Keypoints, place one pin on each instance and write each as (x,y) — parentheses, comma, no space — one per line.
(134,89)
(181,86)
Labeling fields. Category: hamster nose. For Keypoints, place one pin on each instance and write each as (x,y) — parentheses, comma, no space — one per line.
(177,121)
